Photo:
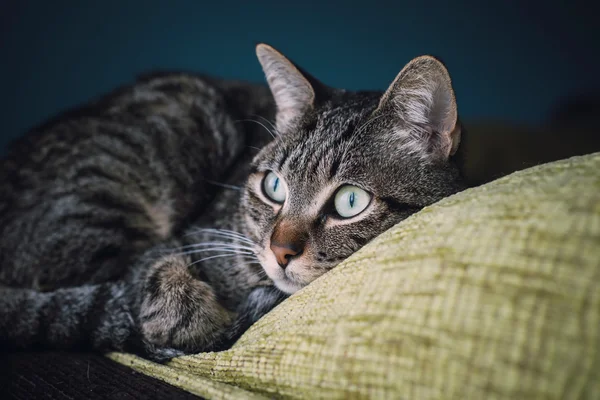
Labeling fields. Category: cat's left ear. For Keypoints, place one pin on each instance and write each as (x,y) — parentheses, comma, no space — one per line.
(293,92)
(422,101)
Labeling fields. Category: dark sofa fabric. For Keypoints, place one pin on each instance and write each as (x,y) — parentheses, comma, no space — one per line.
(56,375)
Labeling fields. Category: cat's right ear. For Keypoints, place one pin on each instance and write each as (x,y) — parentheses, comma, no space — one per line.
(422,103)
(293,93)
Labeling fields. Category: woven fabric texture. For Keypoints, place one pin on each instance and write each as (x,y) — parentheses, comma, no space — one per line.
(493,293)
(56,375)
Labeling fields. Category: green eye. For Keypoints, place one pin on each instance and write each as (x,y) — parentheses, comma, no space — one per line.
(274,187)
(350,201)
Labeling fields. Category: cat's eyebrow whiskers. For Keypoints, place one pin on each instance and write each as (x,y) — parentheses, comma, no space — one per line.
(268,122)
(260,123)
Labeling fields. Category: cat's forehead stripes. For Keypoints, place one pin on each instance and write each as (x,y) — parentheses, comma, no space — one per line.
(317,151)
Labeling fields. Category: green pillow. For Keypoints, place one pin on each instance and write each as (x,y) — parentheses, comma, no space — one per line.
(493,293)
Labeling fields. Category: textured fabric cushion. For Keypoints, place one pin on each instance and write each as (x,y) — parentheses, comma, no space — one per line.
(493,293)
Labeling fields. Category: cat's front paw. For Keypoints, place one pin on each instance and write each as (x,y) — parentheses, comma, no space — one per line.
(179,311)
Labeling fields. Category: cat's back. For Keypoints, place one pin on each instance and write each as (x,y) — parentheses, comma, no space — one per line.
(131,164)
(126,117)
(162,124)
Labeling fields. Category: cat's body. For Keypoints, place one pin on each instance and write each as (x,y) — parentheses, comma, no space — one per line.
(145,221)
(114,184)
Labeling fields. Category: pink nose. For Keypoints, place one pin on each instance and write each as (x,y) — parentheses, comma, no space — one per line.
(285,252)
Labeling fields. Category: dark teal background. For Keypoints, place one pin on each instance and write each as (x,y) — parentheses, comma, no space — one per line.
(509,60)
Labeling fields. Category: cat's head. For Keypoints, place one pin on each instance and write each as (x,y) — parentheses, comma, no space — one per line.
(346,166)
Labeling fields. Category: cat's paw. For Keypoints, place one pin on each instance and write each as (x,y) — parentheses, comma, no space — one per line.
(179,311)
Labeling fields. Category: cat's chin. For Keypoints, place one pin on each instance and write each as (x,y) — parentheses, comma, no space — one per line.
(287,286)
(281,280)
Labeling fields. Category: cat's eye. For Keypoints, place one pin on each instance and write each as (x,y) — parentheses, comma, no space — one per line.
(274,187)
(350,201)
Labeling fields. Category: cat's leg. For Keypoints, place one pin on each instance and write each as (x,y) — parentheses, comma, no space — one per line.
(158,310)
(98,317)
(179,311)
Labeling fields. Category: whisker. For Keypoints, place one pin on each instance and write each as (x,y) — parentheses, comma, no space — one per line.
(257,122)
(242,251)
(211,257)
(223,244)
(268,122)
(224,185)
(233,233)
(233,238)
(262,274)
(232,251)
(223,234)
(228,233)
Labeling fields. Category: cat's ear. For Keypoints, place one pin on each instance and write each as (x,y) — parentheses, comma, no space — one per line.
(293,93)
(422,100)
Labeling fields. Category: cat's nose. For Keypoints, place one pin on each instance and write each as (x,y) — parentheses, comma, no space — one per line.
(288,240)
(285,252)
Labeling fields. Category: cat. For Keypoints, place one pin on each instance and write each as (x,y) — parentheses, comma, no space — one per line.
(168,216)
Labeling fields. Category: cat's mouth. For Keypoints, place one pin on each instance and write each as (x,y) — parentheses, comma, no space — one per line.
(287,280)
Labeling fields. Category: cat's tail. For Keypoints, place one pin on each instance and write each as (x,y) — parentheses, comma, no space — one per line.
(95,317)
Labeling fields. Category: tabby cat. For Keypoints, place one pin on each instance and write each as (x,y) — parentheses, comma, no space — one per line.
(168,216)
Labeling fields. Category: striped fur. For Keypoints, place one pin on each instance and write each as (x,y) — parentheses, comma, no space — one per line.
(138,223)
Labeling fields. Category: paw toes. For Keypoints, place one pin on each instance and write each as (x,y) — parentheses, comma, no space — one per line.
(180,311)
